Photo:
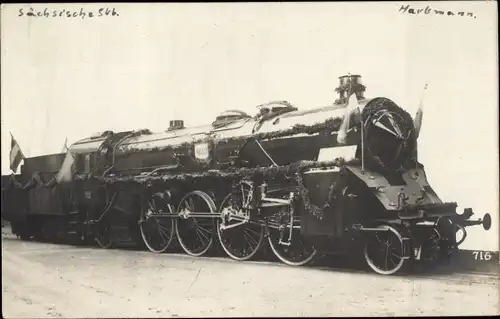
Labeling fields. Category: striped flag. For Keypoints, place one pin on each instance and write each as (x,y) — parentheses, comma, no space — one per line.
(65,173)
(16,155)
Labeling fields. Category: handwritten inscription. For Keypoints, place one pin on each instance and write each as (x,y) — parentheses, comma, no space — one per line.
(407,9)
(63,13)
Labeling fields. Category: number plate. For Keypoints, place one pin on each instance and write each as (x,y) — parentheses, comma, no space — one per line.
(201,151)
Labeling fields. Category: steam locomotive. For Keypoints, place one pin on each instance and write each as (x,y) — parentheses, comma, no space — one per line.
(283,176)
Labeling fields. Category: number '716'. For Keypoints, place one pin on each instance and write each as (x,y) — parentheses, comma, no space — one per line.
(481,255)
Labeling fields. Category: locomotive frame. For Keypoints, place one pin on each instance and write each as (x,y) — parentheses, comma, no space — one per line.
(242,181)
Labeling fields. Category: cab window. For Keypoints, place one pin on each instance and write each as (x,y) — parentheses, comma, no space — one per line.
(86,164)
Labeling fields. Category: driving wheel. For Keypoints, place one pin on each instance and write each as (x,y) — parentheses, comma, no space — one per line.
(239,238)
(157,231)
(195,234)
(298,252)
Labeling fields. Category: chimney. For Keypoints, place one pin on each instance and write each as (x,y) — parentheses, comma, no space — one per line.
(176,125)
(349,82)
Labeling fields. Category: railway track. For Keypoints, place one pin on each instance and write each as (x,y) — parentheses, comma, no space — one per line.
(54,280)
(324,262)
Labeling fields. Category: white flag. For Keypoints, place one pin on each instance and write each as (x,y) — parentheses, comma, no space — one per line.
(65,174)
(352,105)
(420,114)
(65,146)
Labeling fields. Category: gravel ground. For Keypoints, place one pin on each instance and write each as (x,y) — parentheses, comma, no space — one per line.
(47,280)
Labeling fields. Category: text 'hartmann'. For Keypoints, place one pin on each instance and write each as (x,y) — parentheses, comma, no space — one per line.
(430,11)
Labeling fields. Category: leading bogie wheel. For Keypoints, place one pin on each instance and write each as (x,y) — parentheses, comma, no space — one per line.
(296,253)
(384,251)
(157,231)
(195,234)
(240,242)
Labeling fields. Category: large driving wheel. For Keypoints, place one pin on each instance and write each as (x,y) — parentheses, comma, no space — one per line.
(195,234)
(157,231)
(298,253)
(384,251)
(239,242)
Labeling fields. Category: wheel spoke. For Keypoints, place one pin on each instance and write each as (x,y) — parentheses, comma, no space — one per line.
(164,229)
(251,230)
(163,234)
(200,230)
(204,230)
(191,205)
(249,241)
(250,237)
(392,262)
(198,234)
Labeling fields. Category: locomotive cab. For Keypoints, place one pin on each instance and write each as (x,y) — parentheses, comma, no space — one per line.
(87,153)
(93,156)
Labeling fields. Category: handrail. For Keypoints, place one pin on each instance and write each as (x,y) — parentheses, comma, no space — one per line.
(114,150)
(166,167)
(106,209)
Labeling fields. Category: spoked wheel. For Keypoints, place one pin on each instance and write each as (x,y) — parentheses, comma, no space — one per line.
(384,251)
(298,253)
(240,242)
(103,235)
(195,234)
(157,232)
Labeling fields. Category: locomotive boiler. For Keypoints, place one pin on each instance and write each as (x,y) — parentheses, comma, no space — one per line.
(333,179)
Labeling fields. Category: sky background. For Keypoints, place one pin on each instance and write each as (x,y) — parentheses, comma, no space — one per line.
(68,78)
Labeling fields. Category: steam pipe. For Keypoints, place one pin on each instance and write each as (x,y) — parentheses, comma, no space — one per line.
(362,143)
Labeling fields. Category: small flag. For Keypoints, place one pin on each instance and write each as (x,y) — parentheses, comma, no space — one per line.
(65,146)
(420,114)
(16,155)
(352,105)
(65,173)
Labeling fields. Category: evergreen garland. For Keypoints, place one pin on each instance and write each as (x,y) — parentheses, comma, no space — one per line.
(297,169)
(329,125)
